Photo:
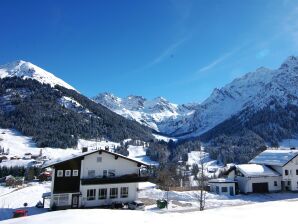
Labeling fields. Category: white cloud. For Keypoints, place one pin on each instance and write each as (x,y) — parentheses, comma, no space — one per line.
(163,55)
(217,61)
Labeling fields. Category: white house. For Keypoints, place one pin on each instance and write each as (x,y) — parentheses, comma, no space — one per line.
(223,186)
(95,178)
(255,178)
(283,161)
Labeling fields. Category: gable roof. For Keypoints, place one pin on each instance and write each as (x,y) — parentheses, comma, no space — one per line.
(256,170)
(275,157)
(81,155)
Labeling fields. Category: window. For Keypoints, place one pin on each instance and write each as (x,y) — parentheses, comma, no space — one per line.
(99,159)
(91,173)
(112,173)
(75,173)
(67,173)
(102,193)
(90,194)
(61,199)
(59,173)
(105,173)
(286,172)
(296,172)
(275,183)
(224,189)
(114,193)
(124,192)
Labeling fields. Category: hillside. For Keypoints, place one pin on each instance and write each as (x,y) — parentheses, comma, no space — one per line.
(56,116)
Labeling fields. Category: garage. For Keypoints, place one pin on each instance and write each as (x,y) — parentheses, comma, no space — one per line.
(260,188)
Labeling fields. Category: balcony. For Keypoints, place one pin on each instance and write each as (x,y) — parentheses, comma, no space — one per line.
(129,178)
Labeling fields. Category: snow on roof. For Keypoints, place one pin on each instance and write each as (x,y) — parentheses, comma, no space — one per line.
(78,155)
(275,157)
(256,170)
(222,180)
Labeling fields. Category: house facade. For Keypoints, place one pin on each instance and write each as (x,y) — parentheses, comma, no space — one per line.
(284,162)
(95,178)
(255,178)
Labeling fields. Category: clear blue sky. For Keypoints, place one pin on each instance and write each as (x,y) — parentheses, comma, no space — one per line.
(177,49)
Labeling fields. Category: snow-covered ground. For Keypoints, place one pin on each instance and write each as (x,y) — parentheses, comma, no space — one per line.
(182,202)
(13,198)
(199,157)
(269,212)
(289,143)
(19,144)
(139,153)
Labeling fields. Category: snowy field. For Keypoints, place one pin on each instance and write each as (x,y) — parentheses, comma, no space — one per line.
(139,153)
(179,202)
(269,212)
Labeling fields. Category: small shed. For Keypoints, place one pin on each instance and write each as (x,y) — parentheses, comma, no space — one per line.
(223,186)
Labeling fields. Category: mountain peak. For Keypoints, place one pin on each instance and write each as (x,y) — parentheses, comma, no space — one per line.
(290,62)
(27,70)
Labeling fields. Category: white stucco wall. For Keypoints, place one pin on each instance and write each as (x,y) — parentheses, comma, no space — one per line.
(245,183)
(120,165)
(132,194)
(292,166)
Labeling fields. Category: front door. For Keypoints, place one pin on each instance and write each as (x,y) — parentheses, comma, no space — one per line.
(75,201)
(232,193)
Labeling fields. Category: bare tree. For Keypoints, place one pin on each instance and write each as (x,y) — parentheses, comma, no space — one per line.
(202,181)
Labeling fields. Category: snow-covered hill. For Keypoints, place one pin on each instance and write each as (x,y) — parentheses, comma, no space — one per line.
(158,113)
(27,70)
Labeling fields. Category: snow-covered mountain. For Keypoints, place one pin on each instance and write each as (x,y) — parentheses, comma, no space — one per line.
(27,70)
(157,113)
(44,107)
(250,93)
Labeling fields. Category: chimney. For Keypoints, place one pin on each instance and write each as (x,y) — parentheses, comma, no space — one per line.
(84,149)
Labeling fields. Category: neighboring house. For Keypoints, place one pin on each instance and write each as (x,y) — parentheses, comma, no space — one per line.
(255,178)
(223,186)
(283,161)
(95,178)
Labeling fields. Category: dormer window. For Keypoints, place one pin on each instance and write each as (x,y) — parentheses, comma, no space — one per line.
(67,173)
(59,173)
(75,173)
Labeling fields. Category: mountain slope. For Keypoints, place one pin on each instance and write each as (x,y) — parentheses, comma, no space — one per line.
(158,113)
(56,116)
(272,112)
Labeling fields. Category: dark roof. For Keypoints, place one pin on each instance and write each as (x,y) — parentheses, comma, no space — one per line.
(80,155)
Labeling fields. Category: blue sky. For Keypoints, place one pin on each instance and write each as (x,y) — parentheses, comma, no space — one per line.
(180,50)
